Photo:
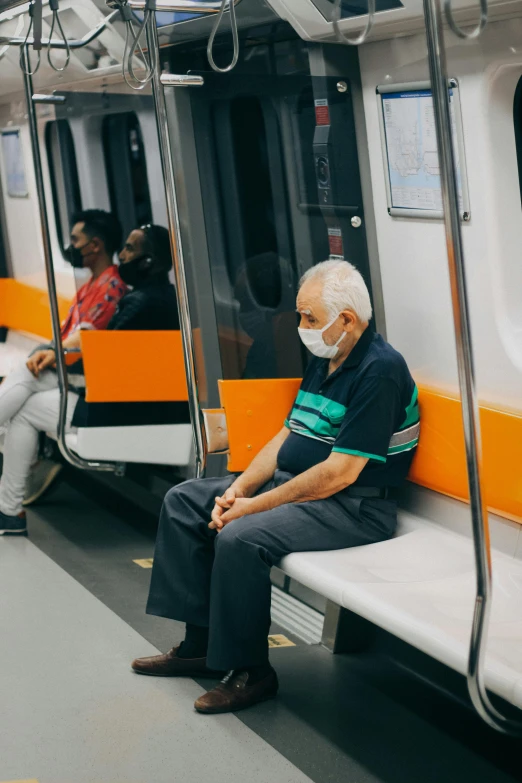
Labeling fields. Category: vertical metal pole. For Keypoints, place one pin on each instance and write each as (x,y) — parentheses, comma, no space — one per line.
(61,368)
(177,249)
(470,409)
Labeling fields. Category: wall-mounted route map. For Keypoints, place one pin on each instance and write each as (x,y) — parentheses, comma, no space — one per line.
(411,147)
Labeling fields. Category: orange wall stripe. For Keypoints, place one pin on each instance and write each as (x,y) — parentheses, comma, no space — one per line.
(440,461)
(256,409)
(134,366)
(26,309)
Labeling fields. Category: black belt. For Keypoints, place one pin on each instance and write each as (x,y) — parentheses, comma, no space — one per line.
(367,492)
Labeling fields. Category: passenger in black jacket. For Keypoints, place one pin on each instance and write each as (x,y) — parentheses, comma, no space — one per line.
(151,305)
(145,262)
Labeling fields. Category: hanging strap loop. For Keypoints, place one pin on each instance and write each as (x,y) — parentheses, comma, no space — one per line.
(132,42)
(448,13)
(235,37)
(53,4)
(362,37)
(25,60)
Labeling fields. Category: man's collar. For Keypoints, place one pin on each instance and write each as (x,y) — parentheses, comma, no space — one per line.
(359,350)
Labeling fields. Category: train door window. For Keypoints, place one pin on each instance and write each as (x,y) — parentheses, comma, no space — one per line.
(304,129)
(257,313)
(65,184)
(253,177)
(126,168)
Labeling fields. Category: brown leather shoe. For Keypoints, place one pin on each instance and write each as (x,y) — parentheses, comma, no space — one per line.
(169,665)
(234,693)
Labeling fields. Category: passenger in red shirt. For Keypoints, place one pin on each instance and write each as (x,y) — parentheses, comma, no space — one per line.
(29,396)
(95,237)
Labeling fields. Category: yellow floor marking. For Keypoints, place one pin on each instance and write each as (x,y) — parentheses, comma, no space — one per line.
(146,563)
(278,640)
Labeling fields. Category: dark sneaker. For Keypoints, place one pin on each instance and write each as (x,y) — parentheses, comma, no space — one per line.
(169,665)
(234,693)
(12,525)
(43,475)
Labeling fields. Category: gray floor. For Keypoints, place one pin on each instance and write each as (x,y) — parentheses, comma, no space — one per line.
(71,710)
(342,718)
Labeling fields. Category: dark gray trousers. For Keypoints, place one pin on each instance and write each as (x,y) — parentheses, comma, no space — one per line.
(223,580)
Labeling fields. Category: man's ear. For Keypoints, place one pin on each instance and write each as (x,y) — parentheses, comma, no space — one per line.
(96,244)
(349,320)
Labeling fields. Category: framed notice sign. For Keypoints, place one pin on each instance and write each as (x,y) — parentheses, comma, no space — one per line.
(409,148)
(14,163)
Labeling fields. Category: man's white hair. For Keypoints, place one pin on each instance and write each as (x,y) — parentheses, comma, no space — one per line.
(343,288)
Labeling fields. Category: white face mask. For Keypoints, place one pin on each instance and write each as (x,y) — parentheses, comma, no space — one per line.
(313,339)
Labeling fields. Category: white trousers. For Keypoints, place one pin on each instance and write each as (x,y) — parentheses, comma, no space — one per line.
(28,405)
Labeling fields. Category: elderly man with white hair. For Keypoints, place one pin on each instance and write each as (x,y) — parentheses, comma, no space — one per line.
(321,483)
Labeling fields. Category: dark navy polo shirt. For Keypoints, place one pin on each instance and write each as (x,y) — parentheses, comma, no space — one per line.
(367,407)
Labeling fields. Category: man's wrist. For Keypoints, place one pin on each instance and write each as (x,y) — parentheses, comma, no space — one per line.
(241,489)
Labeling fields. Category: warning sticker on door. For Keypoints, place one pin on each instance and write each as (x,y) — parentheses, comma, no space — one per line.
(335,242)
(322,112)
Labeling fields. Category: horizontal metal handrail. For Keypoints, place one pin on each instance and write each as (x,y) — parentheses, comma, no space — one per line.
(10,5)
(180,5)
(57,43)
(181,80)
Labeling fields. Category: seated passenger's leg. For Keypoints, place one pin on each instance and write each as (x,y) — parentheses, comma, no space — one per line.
(184,552)
(18,386)
(39,414)
(180,582)
(246,549)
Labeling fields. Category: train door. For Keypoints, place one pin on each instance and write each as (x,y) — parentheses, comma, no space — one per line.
(271,171)
(268,173)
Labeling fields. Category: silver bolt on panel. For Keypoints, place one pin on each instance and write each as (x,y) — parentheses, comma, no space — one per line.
(470,409)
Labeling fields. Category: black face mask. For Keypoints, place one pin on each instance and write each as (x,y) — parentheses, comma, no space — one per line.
(135,272)
(75,257)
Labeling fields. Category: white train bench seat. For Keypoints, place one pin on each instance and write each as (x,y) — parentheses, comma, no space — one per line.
(112,376)
(420,585)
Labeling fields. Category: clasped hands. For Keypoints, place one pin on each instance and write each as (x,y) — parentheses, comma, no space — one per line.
(232,505)
(41,360)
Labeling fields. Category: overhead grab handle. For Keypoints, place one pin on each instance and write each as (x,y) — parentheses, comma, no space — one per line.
(235,37)
(133,37)
(470,409)
(53,4)
(448,12)
(25,60)
(362,37)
